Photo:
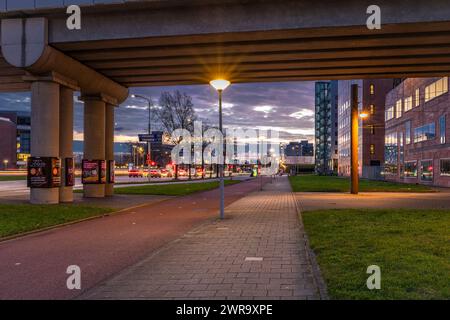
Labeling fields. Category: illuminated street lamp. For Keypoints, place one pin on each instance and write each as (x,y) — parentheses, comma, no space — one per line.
(364,115)
(354,139)
(220,85)
(5,163)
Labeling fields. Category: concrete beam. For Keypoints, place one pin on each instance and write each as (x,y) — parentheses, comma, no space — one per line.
(38,58)
(190,18)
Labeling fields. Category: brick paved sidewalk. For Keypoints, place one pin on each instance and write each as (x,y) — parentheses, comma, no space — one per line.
(257,252)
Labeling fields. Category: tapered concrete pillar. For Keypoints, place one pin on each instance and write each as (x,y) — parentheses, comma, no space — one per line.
(66,142)
(94,139)
(45,132)
(109,148)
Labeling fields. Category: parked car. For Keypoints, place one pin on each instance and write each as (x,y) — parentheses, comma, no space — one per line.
(135,173)
(182,173)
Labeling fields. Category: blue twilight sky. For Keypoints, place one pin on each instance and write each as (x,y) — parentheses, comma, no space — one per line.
(288,107)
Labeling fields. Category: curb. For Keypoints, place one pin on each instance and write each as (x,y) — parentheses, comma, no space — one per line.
(317,275)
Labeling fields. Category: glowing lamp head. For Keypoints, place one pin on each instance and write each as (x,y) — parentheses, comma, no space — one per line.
(220,84)
(363,115)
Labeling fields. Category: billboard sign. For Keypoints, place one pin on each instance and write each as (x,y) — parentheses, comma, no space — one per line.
(44,172)
(93,171)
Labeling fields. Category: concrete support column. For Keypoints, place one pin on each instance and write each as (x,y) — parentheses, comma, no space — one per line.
(65,140)
(45,131)
(109,147)
(94,139)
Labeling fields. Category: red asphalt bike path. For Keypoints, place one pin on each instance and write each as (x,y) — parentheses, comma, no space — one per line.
(34,266)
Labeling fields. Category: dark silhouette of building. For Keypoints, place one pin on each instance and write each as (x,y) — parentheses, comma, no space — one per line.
(299,149)
(22,144)
(8,147)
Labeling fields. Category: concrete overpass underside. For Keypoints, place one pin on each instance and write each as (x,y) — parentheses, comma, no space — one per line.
(398,50)
(173,42)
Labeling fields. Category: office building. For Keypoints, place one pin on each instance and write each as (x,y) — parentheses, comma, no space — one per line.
(371,99)
(417,147)
(326,127)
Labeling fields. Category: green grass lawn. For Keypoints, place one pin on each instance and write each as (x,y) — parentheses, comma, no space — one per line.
(18,218)
(12,178)
(178,189)
(411,247)
(314,183)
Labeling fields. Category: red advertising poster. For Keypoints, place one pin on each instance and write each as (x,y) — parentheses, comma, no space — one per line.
(44,172)
(70,172)
(111,176)
(93,171)
(90,172)
(56,173)
(102,165)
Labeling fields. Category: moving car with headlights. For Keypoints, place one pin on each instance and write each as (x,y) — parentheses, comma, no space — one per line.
(135,173)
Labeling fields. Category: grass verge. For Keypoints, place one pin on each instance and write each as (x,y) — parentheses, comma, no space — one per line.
(314,183)
(411,247)
(178,189)
(19,218)
(12,178)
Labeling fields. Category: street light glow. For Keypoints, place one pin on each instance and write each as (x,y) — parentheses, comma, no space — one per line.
(363,115)
(220,84)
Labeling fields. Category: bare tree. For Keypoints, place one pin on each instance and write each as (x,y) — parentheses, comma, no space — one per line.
(176,111)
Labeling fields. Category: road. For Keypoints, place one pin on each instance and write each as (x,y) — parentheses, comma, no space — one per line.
(9,189)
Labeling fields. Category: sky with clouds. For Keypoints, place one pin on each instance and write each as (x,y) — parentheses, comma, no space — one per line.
(287,107)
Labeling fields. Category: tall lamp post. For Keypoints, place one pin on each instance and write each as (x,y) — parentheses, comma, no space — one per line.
(220,85)
(354,137)
(5,163)
(149,143)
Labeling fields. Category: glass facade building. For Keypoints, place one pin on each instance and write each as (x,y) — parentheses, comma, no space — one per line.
(326,127)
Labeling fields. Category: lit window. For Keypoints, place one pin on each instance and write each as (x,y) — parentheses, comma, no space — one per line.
(372,109)
(372,129)
(390,113)
(372,149)
(426,170)
(445,167)
(372,89)
(408,132)
(436,89)
(417,103)
(410,169)
(408,103)
(424,133)
(398,109)
(442,129)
